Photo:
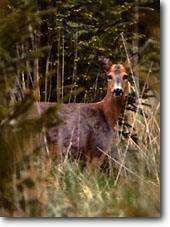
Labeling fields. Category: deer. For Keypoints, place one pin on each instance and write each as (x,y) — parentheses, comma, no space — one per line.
(88,128)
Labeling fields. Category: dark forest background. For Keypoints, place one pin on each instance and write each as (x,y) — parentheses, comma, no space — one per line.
(55,45)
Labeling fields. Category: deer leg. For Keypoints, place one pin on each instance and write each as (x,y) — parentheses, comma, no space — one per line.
(95,162)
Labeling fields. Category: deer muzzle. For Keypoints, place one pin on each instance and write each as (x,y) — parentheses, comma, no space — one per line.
(118,91)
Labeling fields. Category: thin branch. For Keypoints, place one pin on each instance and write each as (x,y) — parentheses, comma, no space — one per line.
(46,77)
(133,124)
(43,131)
(58,66)
(62,72)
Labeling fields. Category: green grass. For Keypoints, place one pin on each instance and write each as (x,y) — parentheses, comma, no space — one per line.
(73,193)
(128,185)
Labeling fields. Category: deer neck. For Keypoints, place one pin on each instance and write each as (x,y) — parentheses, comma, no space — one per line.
(111,106)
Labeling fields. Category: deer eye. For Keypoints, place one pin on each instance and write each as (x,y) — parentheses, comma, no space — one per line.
(109,77)
(125,77)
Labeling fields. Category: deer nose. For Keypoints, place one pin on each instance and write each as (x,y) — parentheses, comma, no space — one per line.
(117,92)
(117,87)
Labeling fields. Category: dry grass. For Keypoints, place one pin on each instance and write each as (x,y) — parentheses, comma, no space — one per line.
(127,186)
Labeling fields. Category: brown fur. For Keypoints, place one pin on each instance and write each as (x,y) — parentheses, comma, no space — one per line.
(87,128)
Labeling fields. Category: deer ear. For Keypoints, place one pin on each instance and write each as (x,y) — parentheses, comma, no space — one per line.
(105,63)
(132,62)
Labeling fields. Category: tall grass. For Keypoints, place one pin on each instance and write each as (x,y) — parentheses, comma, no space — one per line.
(131,189)
(126,186)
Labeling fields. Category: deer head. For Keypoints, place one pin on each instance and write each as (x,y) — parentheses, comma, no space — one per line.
(117,77)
